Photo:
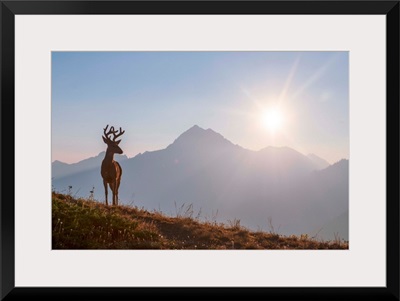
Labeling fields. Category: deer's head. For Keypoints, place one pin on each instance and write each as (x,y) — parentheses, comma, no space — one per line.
(113,144)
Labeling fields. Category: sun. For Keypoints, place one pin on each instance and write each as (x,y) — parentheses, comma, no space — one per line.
(272,119)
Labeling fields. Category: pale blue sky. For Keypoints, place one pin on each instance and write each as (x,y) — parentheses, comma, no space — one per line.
(155,96)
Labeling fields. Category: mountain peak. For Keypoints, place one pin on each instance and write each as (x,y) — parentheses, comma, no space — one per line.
(194,130)
(57,162)
(195,127)
(199,137)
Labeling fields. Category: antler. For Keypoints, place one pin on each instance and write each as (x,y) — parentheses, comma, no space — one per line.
(114,132)
(109,132)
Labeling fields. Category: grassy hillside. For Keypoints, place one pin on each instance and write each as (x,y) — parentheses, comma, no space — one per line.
(86,224)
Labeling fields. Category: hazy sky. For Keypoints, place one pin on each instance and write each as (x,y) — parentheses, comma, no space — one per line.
(156,96)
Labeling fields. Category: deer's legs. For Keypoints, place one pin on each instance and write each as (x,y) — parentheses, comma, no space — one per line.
(116,191)
(112,186)
(106,191)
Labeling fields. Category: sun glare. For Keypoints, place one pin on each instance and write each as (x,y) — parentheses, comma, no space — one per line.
(272,120)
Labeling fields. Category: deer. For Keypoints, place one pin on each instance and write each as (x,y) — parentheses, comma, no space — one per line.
(111,171)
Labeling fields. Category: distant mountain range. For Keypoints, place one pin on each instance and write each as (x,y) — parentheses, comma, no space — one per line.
(299,193)
(61,169)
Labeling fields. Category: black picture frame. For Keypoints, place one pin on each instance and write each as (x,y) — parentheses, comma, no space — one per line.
(9,9)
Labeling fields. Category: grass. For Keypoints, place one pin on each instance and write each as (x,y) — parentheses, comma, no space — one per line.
(87,224)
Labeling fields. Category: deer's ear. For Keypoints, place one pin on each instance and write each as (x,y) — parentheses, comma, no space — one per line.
(117,142)
(105,139)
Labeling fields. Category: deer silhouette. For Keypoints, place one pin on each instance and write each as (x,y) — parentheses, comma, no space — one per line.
(111,171)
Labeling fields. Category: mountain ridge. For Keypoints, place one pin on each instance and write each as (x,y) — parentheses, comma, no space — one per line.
(61,169)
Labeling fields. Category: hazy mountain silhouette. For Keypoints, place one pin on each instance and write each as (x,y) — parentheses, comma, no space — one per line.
(318,161)
(61,169)
(337,226)
(203,168)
